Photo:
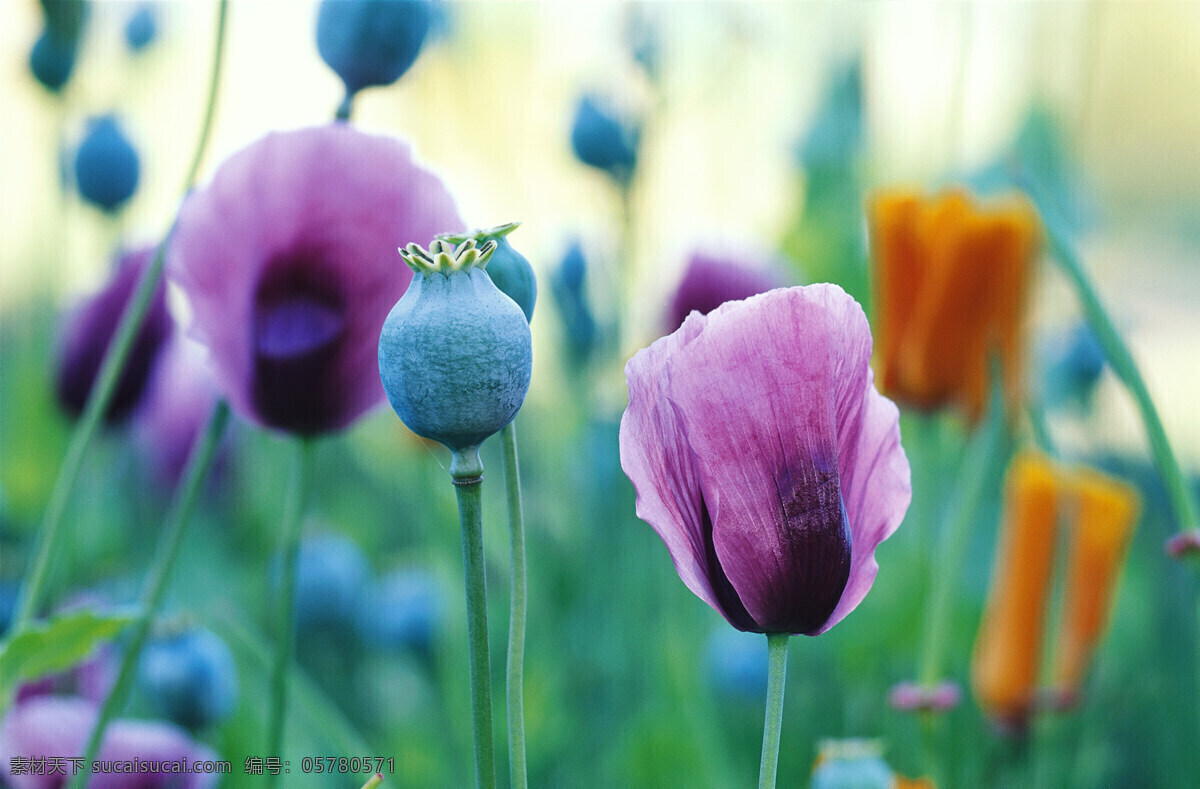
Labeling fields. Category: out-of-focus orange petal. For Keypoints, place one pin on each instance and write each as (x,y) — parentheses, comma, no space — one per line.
(951,282)
(913,783)
(1106,511)
(949,329)
(1008,648)
(898,272)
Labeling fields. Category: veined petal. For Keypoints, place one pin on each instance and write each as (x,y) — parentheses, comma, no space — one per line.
(658,461)
(773,397)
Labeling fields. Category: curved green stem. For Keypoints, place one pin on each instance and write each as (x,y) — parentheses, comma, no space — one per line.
(1183,500)
(467,472)
(174,528)
(285,621)
(517,612)
(777,644)
(50,533)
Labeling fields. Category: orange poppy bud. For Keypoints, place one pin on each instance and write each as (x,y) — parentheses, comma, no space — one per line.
(950,285)
(1106,511)
(1008,648)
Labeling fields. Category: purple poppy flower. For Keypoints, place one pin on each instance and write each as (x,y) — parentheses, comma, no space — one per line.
(93,678)
(709,281)
(765,459)
(57,726)
(288,258)
(89,330)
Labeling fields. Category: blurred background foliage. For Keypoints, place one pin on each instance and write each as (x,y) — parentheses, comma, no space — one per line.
(763,127)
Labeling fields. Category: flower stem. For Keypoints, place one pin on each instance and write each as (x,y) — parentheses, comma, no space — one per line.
(174,528)
(517,612)
(777,645)
(1183,502)
(285,622)
(985,454)
(466,470)
(342,114)
(50,533)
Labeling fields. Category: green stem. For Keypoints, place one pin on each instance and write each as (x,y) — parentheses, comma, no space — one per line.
(985,453)
(285,622)
(466,469)
(174,528)
(517,612)
(777,645)
(1182,498)
(342,114)
(50,533)
(1040,429)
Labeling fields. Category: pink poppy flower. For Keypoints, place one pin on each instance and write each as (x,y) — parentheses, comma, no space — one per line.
(288,259)
(765,459)
(56,729)
(710,280)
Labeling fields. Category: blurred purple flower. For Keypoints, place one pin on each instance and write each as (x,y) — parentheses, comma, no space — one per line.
(93,679)
(179,400)
(765,459)
(912,697)
(288,258)
(51,726)
(709,281)
(88,331)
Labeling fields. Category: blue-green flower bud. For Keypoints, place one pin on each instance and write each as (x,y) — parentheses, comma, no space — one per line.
(507,267)
(455,353)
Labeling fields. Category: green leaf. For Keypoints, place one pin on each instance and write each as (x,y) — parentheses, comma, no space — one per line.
(55,645)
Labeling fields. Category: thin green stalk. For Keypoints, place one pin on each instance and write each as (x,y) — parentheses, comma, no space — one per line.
(285,621)
(777,645)
(985,453)
(517,612)
(1183,501)
(49,535)
(466,469)
(174,528)
(342,114)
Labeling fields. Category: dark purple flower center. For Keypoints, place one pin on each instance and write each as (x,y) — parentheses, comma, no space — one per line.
(299,328)
(813,565)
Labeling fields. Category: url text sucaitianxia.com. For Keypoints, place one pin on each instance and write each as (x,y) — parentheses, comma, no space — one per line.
(73,765)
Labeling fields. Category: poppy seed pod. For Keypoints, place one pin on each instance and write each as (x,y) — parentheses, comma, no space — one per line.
(455,354)
(141,28)
(190,677)
(52,60)
(371,42)
(602,139)
(508,269)
(106,165)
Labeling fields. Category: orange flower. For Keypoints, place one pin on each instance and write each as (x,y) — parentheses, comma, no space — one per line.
(1106,513)
(1099,514)
(950,284)
(1008,648)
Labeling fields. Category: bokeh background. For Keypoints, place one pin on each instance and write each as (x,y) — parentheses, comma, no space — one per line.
(622,686)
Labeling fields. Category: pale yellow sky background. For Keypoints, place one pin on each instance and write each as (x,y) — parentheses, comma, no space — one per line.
(490,110)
